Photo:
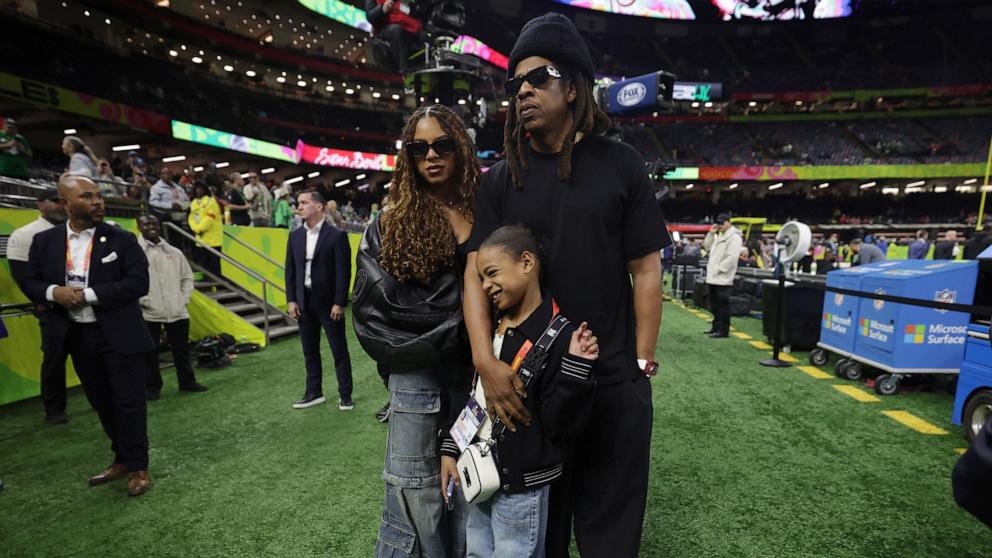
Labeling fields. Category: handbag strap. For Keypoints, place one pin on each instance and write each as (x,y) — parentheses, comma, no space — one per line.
(533,357)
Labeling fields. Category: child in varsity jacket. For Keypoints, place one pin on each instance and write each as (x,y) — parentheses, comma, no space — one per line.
(513,521)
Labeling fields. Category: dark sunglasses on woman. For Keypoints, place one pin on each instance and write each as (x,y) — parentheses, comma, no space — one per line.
(536,77)
(418,149)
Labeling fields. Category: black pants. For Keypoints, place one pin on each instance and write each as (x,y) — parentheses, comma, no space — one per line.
(178,335)
(311,322)
(400,43)
(720,306)
(605,487)
(208,261)
(115,386)
(383,371)
(54,353)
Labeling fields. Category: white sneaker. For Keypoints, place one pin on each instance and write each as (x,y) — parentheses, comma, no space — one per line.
(346,405)
(308,401)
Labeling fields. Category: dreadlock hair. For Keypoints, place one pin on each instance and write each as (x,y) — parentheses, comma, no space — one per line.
(417,239)
(587,118)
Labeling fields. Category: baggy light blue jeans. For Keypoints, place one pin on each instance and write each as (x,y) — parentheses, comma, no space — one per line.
(509,525)
(415,522)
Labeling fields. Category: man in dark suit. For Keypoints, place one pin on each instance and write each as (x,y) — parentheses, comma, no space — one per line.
(318,271)
(944,249)
(93,275)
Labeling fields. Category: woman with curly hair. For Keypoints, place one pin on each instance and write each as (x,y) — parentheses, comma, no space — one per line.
(423,235)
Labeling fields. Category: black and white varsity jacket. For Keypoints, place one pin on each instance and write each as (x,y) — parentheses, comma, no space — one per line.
(559,400)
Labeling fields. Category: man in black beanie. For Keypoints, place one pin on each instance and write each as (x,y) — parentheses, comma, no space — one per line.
(589,200)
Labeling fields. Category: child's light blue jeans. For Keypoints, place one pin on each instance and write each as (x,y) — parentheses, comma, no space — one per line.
(508,525)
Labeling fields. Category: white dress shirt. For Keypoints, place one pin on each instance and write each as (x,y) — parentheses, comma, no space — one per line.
(312,236)
(78,246)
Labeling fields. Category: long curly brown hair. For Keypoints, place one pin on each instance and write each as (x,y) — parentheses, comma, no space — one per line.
(417,239)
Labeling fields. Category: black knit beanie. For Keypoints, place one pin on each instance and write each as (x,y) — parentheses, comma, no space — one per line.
(554,37)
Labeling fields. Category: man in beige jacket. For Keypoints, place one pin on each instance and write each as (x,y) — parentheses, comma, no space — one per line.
(170,287)
(723,247)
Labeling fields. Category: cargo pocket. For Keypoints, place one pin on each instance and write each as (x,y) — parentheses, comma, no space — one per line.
(394,541)
(412,458)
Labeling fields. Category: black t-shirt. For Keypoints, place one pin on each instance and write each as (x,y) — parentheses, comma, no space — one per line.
(238,216)
(590,228)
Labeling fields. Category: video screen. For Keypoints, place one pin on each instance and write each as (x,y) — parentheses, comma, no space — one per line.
(661,9)
(770,10)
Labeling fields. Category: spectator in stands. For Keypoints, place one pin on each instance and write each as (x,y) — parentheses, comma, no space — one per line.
(318,274)
(82,161)
(333,215)
(132,165)
(260,199)
(865,253)
(168,200)
(920,247)
(348,212)
(946,249)
(169,290)
(882,244)
(206,222)
(53,390)
(828,262)
(236,203)
(374,211)
(283,216)
(109,184)
(723,245)
(978,243)
(212,177)
(396,32)
(14,151)
(692,248)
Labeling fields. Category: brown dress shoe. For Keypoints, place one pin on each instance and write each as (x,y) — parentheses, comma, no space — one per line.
(112,473)
(138,483)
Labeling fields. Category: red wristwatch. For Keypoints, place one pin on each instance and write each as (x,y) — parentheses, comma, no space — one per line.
(648,367)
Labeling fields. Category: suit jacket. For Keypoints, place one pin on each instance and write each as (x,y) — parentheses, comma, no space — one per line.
(944,250)
(330,268)
(972,477)
(118,284)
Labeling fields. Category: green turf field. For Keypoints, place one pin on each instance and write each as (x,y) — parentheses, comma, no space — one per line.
(746,461)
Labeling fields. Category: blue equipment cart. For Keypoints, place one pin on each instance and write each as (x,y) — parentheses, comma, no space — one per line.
(973,400)
(901,339)
(840,317)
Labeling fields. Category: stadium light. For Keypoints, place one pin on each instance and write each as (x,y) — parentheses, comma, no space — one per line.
(301,83)
(708,104)
(349,91)
(970,181)
(222,165)
(250,73)
(824,185)
(360,177)
(228,68)
(733,186)
(197,60)
(396,97)
(867,185)
(197,169)
(690,186)
(753,104)
(461,101)
(268,170)
(314,174)
(917,183)
(399,144)
(131,147)
(245,174)
(344,182)
(293,180)
(695,104)
(281,79)
(175,159)
(376,95)
(505,103)
(776,186)
(940,189)
(173,53)
(69,131)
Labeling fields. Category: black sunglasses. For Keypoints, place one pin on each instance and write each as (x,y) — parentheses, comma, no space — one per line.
(536,77)
(418,149)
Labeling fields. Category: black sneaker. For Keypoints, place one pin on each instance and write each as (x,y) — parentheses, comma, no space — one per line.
(195,388)
(309,400)
(56,418)
(346,404)
(382,415)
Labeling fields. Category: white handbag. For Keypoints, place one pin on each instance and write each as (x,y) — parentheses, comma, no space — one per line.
(478,472)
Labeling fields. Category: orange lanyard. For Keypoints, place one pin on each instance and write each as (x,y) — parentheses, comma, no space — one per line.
(68,258)
(528,345)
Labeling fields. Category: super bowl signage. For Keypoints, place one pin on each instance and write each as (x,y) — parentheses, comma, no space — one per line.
(631,94)
(341,158)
